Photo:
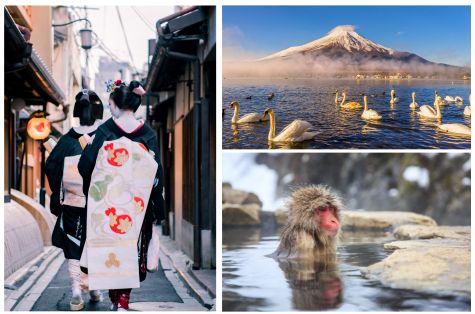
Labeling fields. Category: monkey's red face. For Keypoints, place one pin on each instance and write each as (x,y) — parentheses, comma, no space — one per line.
(328,220)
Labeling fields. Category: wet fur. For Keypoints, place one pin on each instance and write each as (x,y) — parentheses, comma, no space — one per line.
(302,237)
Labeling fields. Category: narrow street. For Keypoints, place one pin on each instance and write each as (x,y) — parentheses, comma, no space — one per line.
(44,286)
(58,293)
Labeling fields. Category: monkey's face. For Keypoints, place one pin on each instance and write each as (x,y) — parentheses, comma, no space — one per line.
(316,208)
(327,218)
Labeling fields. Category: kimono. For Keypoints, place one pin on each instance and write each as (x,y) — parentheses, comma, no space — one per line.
(110,131)
(71,220)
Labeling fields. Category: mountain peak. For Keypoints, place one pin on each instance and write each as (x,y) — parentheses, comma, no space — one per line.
(341,30)
(343,36)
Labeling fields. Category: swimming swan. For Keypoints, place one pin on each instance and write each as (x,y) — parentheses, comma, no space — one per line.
(413,104)
(248,118)
(296,131)
(452,99)
(394,99)
(337,99)
(427,111)
(350,105)
(456,128)
(468,109)
(369,114)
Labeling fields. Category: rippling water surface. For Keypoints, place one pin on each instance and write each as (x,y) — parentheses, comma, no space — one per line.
(313,100)
(254,282)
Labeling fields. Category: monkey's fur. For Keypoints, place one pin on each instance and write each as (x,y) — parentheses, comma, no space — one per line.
(302,236)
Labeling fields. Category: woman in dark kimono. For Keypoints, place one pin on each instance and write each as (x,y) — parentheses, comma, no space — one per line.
(67,199)
(123,102)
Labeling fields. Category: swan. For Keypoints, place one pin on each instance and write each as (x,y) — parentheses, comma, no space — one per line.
(452,99)
(427,111)
(369,114)
(394,99)
(350,105)
(248,118)
(455,128)
(413,104)
(296,131)
(467,111)
(449,99)
(337,98)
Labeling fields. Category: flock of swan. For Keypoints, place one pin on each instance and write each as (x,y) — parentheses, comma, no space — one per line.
(301,130)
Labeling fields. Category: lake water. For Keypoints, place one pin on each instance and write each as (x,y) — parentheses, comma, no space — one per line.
(313,100)
(254,282)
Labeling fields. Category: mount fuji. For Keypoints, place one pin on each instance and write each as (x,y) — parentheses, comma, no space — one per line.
(344,49)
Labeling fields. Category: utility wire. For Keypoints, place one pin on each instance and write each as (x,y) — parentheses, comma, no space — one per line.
(126,40)
(146,22)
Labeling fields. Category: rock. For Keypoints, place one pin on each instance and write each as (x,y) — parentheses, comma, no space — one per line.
(281,216)
(424,267)
(241,215)
(407,232)
(414,244)
(382,220)
(233,196)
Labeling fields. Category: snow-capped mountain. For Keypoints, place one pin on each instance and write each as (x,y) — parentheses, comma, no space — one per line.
(343,37)
(344,48)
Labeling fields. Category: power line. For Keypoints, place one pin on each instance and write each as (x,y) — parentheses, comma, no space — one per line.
(142,17)
(126,40)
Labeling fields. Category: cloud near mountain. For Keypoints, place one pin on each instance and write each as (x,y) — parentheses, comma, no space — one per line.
(342,50)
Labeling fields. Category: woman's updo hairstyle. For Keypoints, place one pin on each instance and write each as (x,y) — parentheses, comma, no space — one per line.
(88,107)
(128,97)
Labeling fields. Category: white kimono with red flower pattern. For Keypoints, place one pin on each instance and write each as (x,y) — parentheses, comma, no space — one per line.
(119,192)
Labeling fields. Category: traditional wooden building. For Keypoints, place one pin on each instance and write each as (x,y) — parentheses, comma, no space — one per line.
(29,86)
(181,105)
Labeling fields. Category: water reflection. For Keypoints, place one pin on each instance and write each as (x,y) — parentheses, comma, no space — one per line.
(315,286)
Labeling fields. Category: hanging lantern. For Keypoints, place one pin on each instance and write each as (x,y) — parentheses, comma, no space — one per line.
(86,38)
(38,128)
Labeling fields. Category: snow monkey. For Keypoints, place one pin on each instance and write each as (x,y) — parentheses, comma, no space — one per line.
(313,225)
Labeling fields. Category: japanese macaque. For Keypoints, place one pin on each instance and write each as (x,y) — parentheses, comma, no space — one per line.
(313,225)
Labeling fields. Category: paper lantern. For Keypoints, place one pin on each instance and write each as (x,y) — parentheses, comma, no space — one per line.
(38,127)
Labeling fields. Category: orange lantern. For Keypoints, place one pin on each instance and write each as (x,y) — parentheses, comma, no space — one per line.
(38,127)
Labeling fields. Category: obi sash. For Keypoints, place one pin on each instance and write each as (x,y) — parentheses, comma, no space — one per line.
(119,193)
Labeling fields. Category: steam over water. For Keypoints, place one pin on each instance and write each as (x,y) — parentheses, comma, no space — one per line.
(313,100)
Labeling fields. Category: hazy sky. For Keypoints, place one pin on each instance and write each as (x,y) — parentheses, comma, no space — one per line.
(437,33)
(105,23)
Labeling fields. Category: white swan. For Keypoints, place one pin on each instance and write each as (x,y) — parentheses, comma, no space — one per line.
(369,114)
(296,131)
(337,99)
(467,111)
(456,128)
(452,99)
(248,118)
(394,99)
(442,102)
(427,111)
(413,104)
(350,105)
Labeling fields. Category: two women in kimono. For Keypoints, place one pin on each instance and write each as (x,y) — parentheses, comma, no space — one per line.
(124,100)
